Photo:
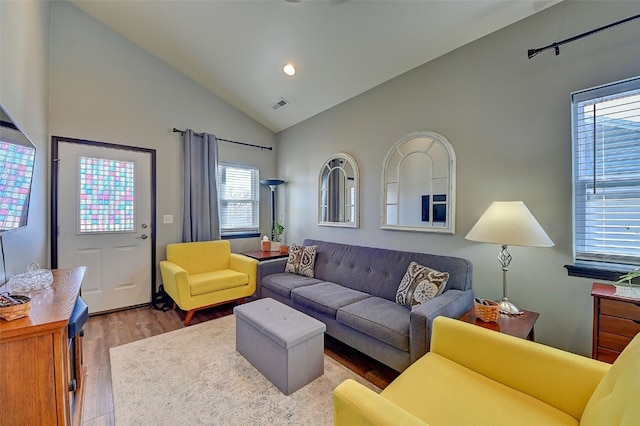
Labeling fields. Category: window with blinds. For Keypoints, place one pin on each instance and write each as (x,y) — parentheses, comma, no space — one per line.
(239,198)
(606,173)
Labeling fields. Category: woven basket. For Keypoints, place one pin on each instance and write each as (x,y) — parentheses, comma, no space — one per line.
(10,312)
(487,313)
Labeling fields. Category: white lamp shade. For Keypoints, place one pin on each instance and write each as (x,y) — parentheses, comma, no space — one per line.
(509,223)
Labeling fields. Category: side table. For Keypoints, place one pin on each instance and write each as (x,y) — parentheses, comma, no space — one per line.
(265,255)
(514,325)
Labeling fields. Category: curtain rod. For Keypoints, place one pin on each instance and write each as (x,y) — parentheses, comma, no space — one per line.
(533,52)
(182,132)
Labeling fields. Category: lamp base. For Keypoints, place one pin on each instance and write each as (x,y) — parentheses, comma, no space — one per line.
(509,308)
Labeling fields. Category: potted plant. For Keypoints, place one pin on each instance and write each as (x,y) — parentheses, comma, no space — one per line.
(278,231)
(625,286)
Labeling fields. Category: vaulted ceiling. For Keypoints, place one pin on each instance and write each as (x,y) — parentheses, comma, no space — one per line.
(341,48)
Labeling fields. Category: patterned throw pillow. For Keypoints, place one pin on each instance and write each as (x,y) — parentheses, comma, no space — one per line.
(301,260)
(420,284)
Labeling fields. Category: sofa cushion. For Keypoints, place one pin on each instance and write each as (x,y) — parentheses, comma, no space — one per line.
(301,260)
(326,297)
(419,284)
(456,395)
(379,318)
(209,282)
(615,400)
(284,282)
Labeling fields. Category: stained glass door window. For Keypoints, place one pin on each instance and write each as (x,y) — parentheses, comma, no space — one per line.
(107,201)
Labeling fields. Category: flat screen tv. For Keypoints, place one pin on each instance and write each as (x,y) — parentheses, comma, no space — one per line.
(17,159)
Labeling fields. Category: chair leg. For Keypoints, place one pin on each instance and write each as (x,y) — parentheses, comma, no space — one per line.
(189,316)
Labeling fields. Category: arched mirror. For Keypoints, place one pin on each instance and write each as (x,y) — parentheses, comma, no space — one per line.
(418,184)
(338,196)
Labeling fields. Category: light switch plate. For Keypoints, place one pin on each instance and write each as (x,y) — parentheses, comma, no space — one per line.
(167,218)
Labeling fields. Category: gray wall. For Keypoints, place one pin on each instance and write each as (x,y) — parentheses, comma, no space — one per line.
(106,88)
(24,47)
(508,119)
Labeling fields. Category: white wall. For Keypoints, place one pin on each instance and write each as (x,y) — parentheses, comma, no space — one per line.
(105,88)
(508,119)
(24,52)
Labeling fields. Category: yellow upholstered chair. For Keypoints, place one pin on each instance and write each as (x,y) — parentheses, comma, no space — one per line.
(475,376)
(204,274)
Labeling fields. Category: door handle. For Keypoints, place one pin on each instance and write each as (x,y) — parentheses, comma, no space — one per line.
(142,237)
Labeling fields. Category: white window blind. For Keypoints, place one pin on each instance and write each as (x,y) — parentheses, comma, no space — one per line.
(606,167)
(239,198)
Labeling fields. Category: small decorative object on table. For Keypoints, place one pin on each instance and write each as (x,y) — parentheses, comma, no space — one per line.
(486,310)
(265,244)
(32,280)
(14,306)
(277,231)
(625,287)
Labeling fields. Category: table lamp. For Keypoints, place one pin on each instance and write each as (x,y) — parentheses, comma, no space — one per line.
(508,223)
(272,183)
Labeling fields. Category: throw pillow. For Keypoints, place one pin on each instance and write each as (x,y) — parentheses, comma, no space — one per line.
(301,260)
(420,284)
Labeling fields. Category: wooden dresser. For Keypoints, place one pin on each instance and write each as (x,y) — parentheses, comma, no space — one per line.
(616,320)
(39,383)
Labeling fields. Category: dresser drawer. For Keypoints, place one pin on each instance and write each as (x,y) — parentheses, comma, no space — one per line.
(621,326)
(607,355)
(613,341)
(621,309)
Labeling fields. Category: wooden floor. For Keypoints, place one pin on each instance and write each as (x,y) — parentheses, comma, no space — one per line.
(102,332)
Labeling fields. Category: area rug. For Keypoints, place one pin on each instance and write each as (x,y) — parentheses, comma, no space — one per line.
(195,376)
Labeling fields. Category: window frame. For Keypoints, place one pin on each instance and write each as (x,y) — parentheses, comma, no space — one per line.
(591,263)
(253,229)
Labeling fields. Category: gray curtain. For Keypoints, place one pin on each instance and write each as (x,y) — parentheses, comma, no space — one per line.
(201,221)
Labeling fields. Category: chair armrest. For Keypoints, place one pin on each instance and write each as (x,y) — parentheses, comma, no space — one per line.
(355,404)
(175,281)
(246,264)
(561,379)
(451,303)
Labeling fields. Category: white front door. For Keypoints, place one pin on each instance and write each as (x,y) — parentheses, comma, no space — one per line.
(104,222)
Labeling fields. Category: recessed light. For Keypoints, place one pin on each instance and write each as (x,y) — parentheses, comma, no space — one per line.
(289,69)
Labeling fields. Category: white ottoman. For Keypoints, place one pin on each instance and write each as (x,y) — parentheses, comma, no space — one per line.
(285,345)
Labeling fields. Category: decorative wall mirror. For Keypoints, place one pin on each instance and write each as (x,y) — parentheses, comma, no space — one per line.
(338,193)
(418,184)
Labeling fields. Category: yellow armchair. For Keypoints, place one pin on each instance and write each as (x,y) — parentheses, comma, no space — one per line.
(475,376)
(204,274)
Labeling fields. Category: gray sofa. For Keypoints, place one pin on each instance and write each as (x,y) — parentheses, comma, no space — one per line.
(353,292)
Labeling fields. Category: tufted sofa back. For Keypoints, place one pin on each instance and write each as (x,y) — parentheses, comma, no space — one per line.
(379,271)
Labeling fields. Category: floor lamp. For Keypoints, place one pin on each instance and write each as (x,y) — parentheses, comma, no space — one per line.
(508,223)
(272,183)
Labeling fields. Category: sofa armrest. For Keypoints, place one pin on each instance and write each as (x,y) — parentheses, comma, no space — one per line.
(561,379)
(355,404)
(246,264)
(175,281)
(451,303)
(269,267)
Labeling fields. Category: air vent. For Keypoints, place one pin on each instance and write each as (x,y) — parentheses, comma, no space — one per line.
(281,102)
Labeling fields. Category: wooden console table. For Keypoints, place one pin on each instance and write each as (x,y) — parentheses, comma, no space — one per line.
(37,379)
(514,325)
